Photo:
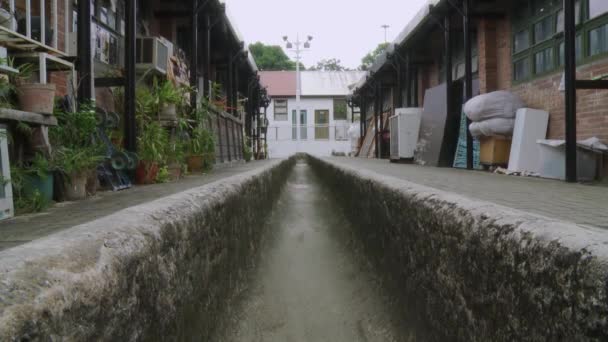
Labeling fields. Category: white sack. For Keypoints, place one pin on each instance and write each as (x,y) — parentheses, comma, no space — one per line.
(488,128)
(498,104)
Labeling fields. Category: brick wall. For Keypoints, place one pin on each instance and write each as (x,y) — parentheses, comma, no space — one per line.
(542,93)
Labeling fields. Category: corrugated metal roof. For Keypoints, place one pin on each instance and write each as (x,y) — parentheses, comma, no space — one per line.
(279,83)
(328,83)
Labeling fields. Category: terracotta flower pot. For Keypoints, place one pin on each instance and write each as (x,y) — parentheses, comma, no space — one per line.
(196,164)
(37,98)
(146,172)
(75,186)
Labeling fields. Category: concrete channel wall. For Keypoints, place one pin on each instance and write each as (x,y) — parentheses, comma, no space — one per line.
(466,270)
(161,271)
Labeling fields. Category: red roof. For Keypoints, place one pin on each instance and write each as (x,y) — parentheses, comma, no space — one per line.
(279,83)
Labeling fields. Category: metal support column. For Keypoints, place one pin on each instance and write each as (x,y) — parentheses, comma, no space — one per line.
(130,125)
(468,72)
(194,55)
(208,53)
(408,80)
(377,113)
(85,52)
(570,80)
(448,64)
(398,95)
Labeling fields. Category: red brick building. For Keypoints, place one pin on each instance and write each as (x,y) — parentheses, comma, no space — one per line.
(516,46)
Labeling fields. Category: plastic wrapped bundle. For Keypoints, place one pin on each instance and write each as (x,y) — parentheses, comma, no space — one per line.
(495,105)
(493,127)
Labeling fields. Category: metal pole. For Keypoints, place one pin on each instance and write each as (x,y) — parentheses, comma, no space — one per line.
(408,80)
(85,52)
(208,53)
(377,106)
(468,71)
(570,80)
(398,96)
(194,55)
(448,65)
(298,92)
(130,76)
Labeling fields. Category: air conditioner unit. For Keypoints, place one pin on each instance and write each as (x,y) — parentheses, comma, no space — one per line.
(153,53)
(405,129)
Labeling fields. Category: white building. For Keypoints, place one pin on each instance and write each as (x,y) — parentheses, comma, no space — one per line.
(325,116)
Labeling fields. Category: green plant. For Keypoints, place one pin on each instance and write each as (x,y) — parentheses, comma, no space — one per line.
(247,153)
(152,142)
(75,161)
(40,167)
(166,93)
(25,204)
(163,175)
(202,142)
(75,129)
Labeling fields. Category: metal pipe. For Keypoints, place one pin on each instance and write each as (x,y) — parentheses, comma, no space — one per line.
(570,95)
(130,76)
(85,52)
(194,55)
(468,71)
(447,35)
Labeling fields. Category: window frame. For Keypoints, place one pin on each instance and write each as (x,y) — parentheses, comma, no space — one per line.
(583,28)
(338,100)
(275,106)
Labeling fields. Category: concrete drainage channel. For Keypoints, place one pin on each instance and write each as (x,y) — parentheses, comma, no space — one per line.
(155,272)
(454,269)
(474,271)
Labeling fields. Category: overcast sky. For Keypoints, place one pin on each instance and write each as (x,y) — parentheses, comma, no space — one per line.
(343,29)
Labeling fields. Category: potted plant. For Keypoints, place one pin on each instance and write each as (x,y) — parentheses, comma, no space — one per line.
(152,143)
(76,165)
(201,150)
(33,96)
(168,97)
(38,178)
(247,153)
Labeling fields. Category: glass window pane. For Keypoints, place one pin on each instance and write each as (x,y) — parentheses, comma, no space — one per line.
(598,40)
(521,69)
(340,111)
(543,30)
(543,61)
(597,8)
(521,41)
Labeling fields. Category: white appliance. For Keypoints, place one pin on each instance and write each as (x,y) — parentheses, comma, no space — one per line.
(153,53)
(6,189)
(530,126)
(405,129)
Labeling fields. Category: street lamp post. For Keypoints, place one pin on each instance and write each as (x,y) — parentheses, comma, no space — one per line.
(298,47)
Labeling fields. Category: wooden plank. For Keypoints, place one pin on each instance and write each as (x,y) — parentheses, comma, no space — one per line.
(33,118)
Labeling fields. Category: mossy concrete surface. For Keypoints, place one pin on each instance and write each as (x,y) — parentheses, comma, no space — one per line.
(161,271)
(469,270)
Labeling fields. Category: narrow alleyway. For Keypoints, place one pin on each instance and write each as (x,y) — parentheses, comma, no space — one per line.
(311,285)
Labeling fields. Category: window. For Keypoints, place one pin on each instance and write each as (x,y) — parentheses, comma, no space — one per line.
(521,41)
(536,47)
(543,30)
(340,111)
(522,69)
(303,125)
(280,110)
(597,8)
(543,61)
(598,40)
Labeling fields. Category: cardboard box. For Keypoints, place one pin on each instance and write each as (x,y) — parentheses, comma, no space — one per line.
(495,150)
